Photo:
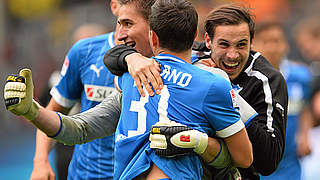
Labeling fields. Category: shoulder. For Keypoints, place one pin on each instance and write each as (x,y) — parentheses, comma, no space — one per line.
(260,67)
(84,43)
(88,45)
(216,71)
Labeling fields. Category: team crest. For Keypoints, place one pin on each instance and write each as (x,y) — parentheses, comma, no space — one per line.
(234,98)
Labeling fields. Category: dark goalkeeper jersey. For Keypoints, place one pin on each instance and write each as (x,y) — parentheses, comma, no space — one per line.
(264,88)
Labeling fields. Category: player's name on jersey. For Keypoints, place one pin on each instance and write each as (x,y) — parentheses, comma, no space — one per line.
(180,78)
(97,93)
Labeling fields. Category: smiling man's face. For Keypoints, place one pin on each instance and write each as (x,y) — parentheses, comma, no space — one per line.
(134,29)
(230,48)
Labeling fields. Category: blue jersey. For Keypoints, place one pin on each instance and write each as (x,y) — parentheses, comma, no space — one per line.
(84,77)
(191,96)
(298,78)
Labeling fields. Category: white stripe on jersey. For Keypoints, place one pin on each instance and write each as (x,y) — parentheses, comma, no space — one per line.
(266,89)
(231,130)
(111,40)
(68,103)
(171,58)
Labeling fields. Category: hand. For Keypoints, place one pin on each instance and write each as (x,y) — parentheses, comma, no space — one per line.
(18,95)
(144,71)
(42,170)
(173,139)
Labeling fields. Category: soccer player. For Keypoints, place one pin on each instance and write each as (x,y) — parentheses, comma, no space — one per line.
(57,125)
(63,154)
(271,41)
(85,78)
(229,33)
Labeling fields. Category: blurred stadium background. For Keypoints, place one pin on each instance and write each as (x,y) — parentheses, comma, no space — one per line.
(38,33)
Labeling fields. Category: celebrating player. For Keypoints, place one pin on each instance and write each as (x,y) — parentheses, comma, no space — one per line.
(229,33)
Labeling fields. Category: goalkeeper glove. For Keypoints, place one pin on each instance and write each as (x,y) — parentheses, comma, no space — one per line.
(18,95)
(171,139)
(174,139)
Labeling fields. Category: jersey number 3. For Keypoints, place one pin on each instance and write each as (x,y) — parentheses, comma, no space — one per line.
(139,107)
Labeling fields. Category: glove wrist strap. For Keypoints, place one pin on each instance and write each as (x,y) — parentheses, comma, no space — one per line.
(202,143)
(33,112)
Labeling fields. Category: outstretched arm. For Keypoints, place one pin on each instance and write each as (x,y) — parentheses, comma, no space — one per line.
(94,123)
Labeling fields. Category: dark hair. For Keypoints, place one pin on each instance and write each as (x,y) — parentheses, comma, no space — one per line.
(143,6)
(175,23)
(229,14)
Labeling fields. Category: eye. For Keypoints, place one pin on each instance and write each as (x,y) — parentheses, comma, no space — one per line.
(224,44)
(127,23)
(242,45)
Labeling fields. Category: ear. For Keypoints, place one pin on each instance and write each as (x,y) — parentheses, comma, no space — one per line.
(251,43)
(208,41)
(114,6)
(154,40)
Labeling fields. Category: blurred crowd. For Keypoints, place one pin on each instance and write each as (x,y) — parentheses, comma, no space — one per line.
(38,33)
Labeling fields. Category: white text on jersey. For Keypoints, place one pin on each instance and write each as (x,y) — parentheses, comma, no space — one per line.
(179,78)
(97,93)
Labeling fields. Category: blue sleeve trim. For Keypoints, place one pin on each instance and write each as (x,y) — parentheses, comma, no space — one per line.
(59,128)
(250,119)
(218,153)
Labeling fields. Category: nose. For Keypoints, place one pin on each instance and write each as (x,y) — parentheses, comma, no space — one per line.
(122,33)
(232,53)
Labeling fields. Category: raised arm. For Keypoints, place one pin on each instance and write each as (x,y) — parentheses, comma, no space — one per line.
(94,123)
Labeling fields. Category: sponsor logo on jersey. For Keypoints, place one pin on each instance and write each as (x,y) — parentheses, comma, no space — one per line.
(234,98)
(96,70)
(120,137)
(65,66)
(97,93)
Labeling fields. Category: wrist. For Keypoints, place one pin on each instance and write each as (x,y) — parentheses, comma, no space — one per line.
(128,58)
(125,57)
(33,112)
(202,139)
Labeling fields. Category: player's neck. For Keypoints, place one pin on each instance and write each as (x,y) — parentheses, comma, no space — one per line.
(184,55)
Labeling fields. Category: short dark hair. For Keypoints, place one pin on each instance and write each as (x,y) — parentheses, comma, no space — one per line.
(175,22)
(143,6)
(229,14)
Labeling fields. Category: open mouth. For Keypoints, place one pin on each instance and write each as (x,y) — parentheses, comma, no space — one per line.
(230,66)
(131,44)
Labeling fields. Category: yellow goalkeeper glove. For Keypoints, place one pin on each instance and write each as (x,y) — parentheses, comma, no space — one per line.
(18,95)
(173,139)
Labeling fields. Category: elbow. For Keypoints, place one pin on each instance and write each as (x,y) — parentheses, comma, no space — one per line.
(244,161)
(244,158)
